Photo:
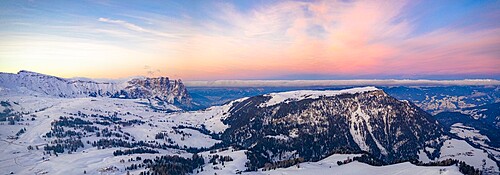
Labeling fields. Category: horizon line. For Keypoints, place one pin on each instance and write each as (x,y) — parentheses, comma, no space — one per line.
(347,82)
(306,82)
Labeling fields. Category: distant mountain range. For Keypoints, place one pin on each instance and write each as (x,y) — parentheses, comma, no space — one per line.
(353,82)
(158,90)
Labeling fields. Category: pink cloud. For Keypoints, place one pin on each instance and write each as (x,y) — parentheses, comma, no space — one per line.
(449,51)
(358,38)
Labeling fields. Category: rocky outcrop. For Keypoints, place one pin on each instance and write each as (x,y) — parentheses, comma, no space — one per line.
(161,88)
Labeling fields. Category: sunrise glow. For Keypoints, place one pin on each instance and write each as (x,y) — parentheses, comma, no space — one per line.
(211,40)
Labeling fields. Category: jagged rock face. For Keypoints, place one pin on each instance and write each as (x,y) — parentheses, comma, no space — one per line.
(374,122)
(159,89)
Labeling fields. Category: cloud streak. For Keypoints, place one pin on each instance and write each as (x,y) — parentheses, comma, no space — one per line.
(135,28)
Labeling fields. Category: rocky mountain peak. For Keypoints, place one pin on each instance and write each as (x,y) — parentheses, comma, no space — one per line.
(28,72)
(162,88)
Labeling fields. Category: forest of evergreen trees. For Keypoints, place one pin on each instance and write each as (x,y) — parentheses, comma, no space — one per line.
(134,151)
(282,164)
(462,166)
(60,145)
(173,165)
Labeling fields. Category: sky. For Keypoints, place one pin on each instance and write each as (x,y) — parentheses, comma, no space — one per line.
(252,39)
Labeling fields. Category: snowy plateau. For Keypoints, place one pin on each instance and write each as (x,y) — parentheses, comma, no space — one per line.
(52,125)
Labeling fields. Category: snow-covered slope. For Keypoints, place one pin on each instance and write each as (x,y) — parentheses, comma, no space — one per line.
(210,118)
(326,166)
(329,166)
(28,82)
(469,133)
(461,150)
(286,97)
(129,120)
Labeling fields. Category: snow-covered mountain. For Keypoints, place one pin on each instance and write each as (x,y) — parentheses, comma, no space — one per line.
(315,124)
(160,89)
